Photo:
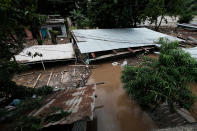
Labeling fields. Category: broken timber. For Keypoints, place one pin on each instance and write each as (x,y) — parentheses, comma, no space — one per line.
(37,80)
(49,78)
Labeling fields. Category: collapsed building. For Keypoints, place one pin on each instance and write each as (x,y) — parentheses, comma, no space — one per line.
(97,44)
(73,95)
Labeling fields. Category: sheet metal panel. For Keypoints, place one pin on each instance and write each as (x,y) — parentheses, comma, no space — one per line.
(79,101)
(49,53)
(192,51)
(95,40)
(191,26)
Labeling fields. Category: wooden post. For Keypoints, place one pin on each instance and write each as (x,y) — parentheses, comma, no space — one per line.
(43,66)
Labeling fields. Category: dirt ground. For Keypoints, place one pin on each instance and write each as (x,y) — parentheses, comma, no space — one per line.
(57,77)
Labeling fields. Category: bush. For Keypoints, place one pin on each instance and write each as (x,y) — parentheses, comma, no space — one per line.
(30,124)
(23,92)
(185,18)
(45,90)
(162,80)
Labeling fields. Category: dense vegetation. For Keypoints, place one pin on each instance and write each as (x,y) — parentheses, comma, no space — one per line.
(127,13)
(15,15)
(188,11)
(165,79)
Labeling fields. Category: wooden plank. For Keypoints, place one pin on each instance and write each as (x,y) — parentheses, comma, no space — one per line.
(148,48)
(110,55)
(37,80)
(115,51)
(131,50)
(49,78)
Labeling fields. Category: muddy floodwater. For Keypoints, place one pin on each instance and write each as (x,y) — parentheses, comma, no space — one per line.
(118,112)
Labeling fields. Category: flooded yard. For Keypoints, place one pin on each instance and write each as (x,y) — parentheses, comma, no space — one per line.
(118,112)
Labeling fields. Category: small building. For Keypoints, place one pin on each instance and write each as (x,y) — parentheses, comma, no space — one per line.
(54,22)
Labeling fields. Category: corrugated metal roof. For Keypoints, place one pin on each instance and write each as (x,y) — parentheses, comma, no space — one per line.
(49,53)
(190,26)
(95,40)
(192,51)
(78,101)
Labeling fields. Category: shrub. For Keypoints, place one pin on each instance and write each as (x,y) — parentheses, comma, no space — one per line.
(166,79)
(185,18)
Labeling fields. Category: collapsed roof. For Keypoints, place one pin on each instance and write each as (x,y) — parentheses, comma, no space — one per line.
(188,26)
(78,101)
(96,40)
(60,52)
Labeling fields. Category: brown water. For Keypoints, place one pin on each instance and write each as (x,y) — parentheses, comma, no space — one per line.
(119,112)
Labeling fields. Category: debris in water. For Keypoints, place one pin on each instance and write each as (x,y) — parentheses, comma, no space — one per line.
(115,63)
(124,63)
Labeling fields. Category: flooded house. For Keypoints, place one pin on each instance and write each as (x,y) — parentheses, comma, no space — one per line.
(98,44)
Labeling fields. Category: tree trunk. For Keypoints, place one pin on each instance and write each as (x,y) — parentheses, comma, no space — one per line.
(156,24)
(157,28)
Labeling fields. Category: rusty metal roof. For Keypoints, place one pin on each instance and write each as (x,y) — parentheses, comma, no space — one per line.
(78,101)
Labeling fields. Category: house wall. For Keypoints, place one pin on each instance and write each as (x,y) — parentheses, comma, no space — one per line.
(63,28)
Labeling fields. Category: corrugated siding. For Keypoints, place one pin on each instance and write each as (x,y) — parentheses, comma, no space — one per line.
(95,40)
(49,52)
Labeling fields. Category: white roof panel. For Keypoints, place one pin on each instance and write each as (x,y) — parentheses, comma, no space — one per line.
(49,53)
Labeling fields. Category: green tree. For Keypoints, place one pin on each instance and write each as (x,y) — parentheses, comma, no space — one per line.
(62,7)
(189,9)
(115,13)
(160,8)
(165,79)
(80,19)
(130,13)
(14,15)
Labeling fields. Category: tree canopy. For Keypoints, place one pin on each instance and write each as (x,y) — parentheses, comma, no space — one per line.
(119,13)
(165,79)
(14,15)
(129,13)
